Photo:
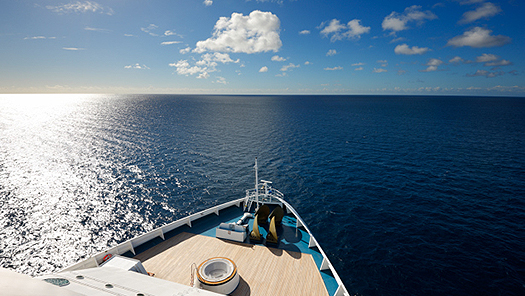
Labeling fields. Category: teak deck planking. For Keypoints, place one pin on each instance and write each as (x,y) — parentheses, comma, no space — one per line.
(263,270)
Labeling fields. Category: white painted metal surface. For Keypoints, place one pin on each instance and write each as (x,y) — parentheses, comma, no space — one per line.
(17,284)
(116,281)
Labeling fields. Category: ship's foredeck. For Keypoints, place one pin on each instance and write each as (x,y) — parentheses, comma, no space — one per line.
(289,268)
(262,270)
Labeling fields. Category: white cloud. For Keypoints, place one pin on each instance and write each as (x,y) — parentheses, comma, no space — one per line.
(289,66)
(185,50)
(331,52)
(218,57)
(397,39)
(38,37)
(150,28)
(73,48)
(304,32)
(355,29)
(184,68)
(492,60)
(256,32)
(136,66)
(392,23)
(499,63)
(221,79)
(383,63)
(358,69)
(203,75)
(170,42)
(277,58)
(96,29)
(81,7)
(358,64)
(334,68)
(398,21)
(171,33)
(486,58)
(434,62)
(405,49)
(263,69)
(456,60)
(486,10)
(207,64)
(332,28)
(208,2)
(307,63)
(224,58)
(352,30)
(432,65)
(379,70)
(478,37)
(486,74)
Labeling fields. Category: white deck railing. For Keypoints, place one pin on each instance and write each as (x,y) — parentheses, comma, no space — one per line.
(131,244)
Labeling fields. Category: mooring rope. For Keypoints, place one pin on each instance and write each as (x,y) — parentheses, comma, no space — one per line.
(193,268)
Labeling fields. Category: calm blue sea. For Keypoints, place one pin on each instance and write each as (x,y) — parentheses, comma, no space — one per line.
(408,195)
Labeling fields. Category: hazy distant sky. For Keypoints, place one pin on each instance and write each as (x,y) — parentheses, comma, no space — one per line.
(471,47)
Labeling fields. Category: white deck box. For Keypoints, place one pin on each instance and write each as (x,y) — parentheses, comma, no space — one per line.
(231,231)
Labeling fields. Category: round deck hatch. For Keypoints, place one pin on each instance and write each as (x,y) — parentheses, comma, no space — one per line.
(219,275)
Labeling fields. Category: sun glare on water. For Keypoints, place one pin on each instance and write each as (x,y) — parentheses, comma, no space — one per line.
(51,182)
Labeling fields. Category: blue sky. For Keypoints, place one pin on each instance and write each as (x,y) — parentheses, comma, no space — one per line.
(466,47)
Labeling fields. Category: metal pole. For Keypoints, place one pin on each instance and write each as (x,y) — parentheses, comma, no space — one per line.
(256,183)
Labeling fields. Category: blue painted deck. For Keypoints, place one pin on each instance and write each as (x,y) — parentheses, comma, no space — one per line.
(290,238)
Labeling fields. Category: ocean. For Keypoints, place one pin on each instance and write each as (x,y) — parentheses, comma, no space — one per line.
(407,195)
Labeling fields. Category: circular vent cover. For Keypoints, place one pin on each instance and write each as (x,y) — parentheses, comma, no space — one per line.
(219,275)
